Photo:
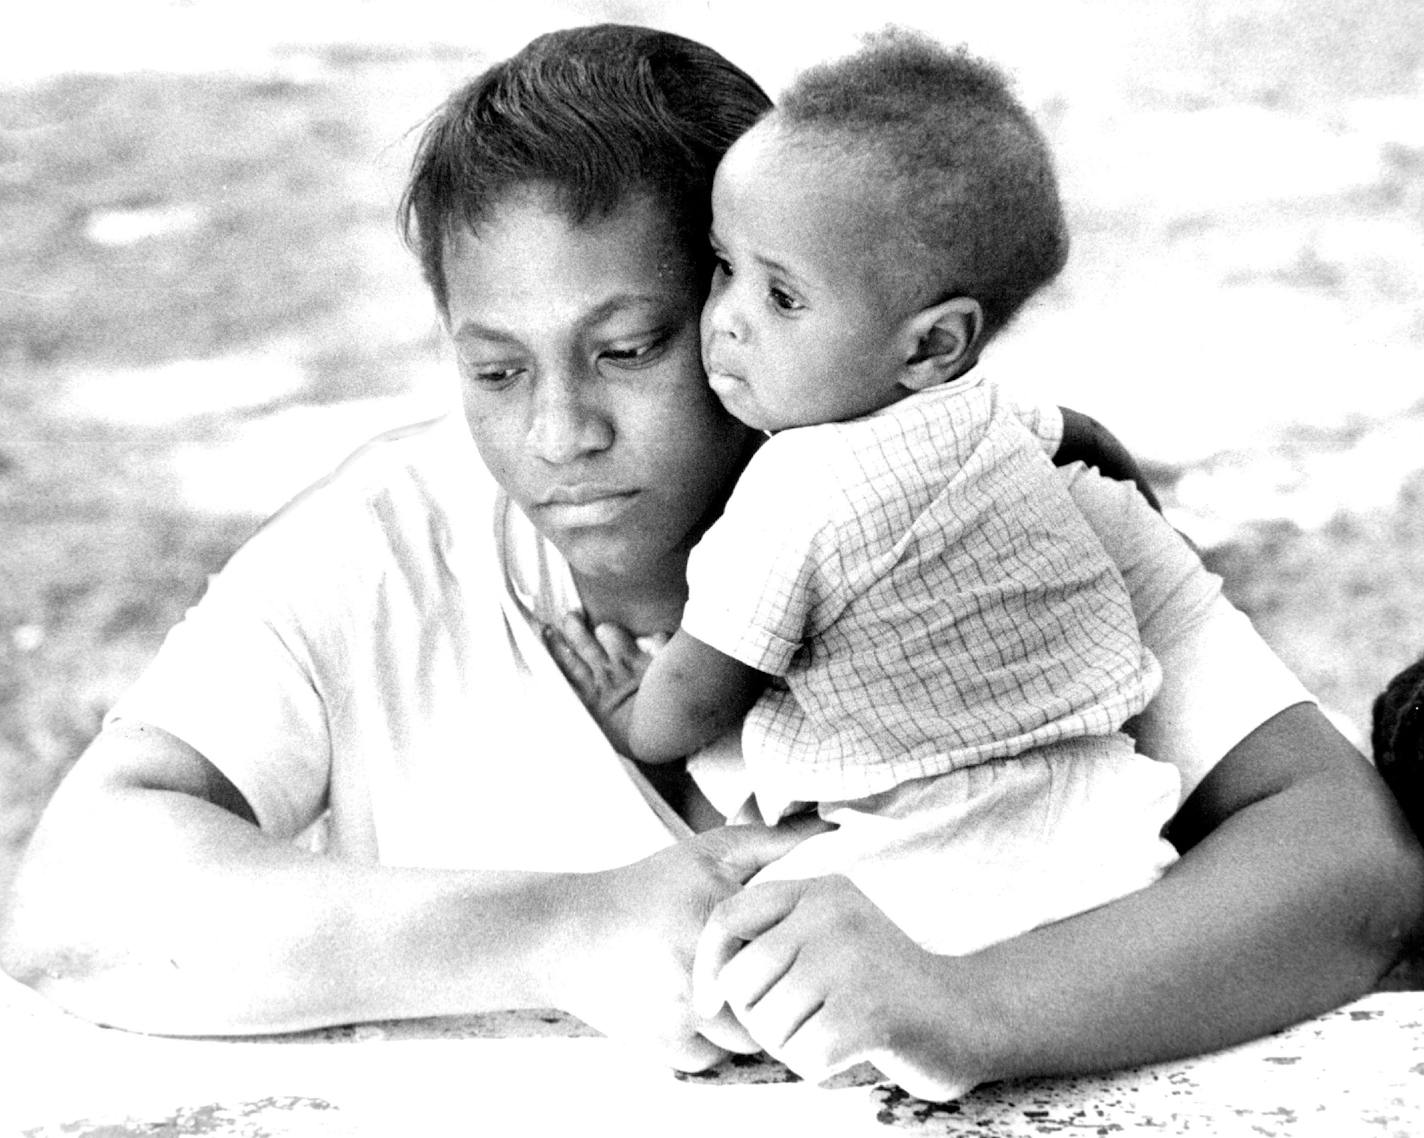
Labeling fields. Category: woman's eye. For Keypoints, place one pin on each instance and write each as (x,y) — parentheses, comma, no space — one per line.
(634,355)
(720,265)
(784,300)
(490,376)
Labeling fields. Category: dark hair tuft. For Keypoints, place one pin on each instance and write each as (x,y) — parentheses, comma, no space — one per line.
(591,115)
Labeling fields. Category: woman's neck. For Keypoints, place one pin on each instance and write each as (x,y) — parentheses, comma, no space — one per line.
(650,604)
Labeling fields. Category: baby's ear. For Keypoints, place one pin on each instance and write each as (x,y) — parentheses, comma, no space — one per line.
(943,341)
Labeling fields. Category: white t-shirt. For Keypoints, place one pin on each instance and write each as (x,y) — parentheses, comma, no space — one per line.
(364,653)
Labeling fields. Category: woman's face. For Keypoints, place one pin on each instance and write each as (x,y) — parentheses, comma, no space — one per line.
(583,383)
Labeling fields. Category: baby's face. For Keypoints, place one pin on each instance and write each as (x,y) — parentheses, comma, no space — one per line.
(796,329)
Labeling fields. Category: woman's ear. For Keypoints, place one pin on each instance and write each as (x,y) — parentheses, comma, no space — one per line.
(943,341)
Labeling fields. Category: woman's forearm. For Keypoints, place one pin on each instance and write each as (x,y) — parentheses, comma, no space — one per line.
(148,900)
(1296,902)
(157,911)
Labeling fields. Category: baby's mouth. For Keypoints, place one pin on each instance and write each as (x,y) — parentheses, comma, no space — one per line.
(722,382)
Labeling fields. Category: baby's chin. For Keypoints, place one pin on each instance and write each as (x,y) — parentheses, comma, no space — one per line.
(739,402)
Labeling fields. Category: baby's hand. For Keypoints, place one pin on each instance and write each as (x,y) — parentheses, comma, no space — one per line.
(604,667)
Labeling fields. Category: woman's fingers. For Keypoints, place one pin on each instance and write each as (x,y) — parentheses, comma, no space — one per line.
(693,1053)
(740,918)
(753,970)
(811,1050)
(744,851)
(784,1019)
(724,1031)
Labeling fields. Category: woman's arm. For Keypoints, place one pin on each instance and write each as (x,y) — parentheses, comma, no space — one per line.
(148,900)
(1087,441)
(1300,888)
(1298,885)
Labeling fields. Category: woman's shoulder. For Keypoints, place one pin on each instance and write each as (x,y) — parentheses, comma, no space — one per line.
(402,496)
(434,459)
(1168,583)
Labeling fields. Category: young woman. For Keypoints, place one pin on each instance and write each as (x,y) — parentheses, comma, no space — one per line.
(381,652)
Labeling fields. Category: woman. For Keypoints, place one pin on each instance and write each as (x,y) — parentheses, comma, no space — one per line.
(379,652)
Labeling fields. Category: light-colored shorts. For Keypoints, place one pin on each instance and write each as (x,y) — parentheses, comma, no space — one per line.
(975,856)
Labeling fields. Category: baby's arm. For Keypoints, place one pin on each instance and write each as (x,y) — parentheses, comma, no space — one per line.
(690,695)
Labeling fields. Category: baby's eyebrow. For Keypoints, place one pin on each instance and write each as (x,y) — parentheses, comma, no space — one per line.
(776,268)
(764,261)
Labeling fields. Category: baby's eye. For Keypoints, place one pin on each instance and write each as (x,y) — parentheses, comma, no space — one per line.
(720,265)
(784,300)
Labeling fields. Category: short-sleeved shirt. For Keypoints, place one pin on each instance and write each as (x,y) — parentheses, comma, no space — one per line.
(357,656)
(927,590)
(371,652)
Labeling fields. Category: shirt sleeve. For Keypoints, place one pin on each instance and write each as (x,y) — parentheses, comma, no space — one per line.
(229,681)
(753,578)
(1043,420)
(1220,681)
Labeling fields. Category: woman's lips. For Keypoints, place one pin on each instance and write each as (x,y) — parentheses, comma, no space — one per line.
(585,505)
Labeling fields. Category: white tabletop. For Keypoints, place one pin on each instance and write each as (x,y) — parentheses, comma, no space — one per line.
(1359,1070)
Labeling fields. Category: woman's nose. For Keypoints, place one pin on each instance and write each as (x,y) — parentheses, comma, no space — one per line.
(566,422)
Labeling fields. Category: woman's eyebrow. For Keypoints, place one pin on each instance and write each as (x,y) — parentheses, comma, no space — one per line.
(474,330)
(617,305)
(470,329)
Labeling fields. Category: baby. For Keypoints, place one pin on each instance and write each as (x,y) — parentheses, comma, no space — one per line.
(925,637)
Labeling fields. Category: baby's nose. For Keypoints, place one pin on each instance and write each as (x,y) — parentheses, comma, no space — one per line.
(719,316)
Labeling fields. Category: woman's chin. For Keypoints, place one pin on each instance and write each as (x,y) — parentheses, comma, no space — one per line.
(600,555)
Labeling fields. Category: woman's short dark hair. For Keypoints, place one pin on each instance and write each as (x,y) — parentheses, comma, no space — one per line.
(590,114)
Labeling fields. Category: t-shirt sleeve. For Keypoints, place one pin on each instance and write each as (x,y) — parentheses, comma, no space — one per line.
(753,579)
(1220,681)
(230,682)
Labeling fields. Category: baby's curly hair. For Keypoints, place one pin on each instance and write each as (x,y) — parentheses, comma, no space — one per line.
(965,171)
(1397,739)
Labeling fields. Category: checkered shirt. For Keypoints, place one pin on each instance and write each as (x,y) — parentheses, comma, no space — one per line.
(926,592)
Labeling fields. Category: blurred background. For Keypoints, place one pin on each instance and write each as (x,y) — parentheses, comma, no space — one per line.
(204,303)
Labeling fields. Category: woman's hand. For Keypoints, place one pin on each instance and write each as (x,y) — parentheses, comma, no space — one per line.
(604,666)
(625,966)
(822,980)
